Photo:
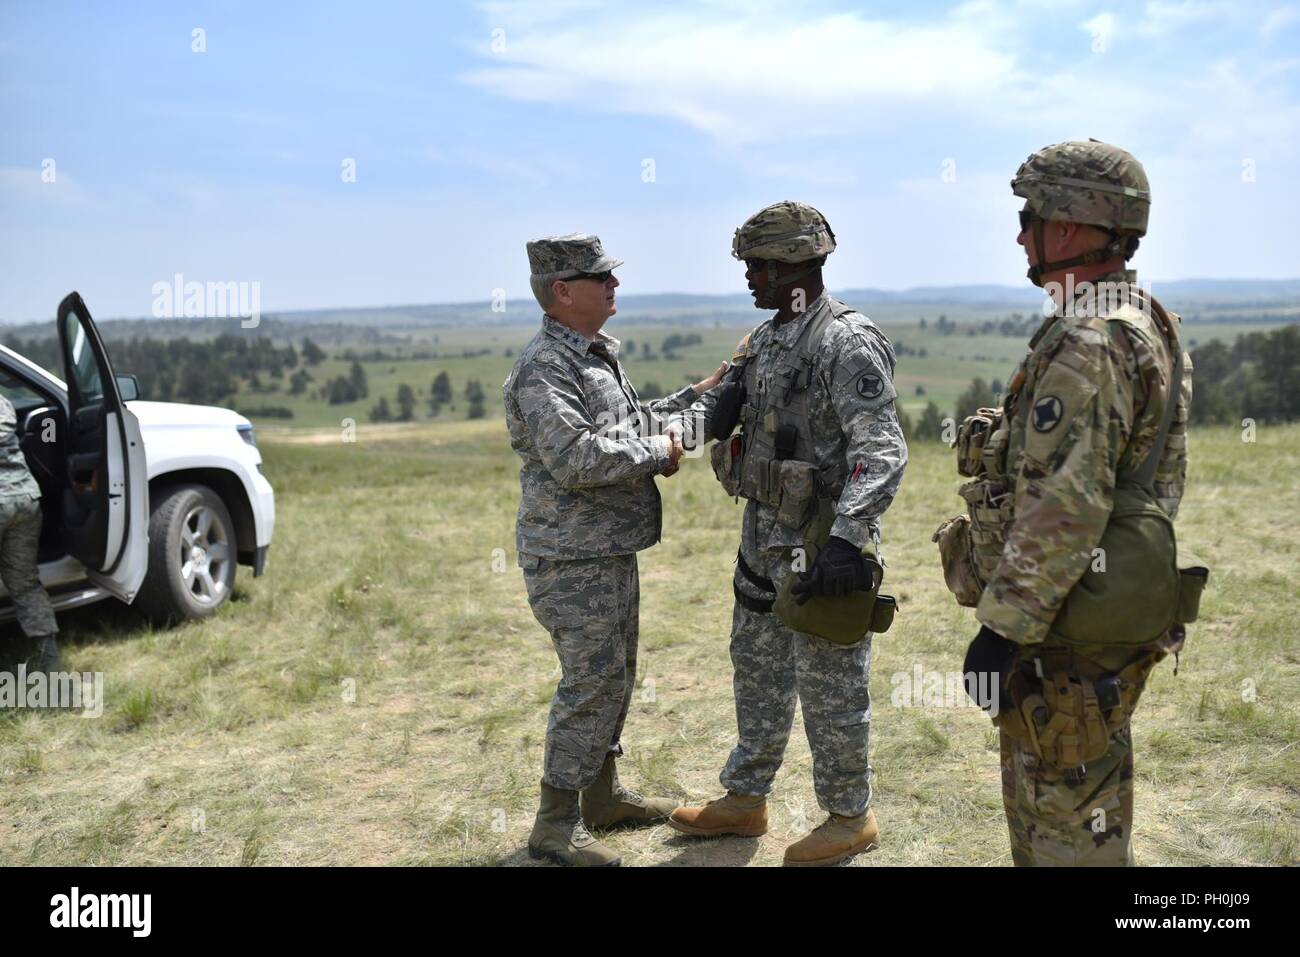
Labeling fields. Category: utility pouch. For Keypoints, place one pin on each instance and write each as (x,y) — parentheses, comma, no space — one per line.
(971,436)
(1192,577)
(991,509)
(1076,731)
(882,613)
(953,538)
(725,458)
(798,483)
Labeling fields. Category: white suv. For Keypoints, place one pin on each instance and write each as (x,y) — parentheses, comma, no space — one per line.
(150,502)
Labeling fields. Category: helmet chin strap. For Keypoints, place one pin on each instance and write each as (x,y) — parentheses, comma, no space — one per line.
(767,299)
(1124,246)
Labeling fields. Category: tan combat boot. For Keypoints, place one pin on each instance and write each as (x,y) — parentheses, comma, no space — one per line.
(560,837)
(740,814)
(834,840)
(607,803)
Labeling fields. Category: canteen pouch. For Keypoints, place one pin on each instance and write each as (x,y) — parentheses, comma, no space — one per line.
(953,538)
(725,458)
(798,482)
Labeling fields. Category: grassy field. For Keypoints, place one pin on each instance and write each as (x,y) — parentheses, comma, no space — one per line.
(380,696)
(941,374)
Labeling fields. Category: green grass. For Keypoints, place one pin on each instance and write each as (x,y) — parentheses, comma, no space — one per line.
(944,372)
(380,695)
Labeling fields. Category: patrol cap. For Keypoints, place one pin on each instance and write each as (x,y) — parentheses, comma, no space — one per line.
(560,257)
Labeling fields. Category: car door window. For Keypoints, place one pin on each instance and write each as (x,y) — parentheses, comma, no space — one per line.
(22,396)
(85,370)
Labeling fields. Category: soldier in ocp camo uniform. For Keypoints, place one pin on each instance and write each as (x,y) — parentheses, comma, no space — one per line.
(1097,406)
(20,534)
(590,449)
(820,445)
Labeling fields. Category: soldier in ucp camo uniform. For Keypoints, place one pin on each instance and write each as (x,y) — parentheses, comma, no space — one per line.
(20,534)
(820,442)
(1097,408)
(590,449)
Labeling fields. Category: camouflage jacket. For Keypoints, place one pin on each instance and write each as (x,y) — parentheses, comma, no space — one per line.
(590,448)
(15,477)
(1089,401)
(857,442)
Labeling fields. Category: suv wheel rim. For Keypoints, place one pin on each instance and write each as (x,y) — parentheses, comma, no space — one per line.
(205,555)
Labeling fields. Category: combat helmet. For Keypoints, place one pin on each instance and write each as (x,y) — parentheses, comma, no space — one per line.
(786,232)
(1085,182)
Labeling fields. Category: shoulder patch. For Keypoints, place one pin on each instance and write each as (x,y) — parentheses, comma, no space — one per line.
(742,349)
(1046,414)
(870,385)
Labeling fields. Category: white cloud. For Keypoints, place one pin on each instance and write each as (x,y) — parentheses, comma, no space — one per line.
(40,185)
(1278,20)
(1101,28)
(744,78)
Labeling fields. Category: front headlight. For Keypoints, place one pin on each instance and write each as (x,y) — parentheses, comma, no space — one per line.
(248,435)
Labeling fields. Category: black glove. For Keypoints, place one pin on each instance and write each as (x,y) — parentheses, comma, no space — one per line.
(989,654)
(838,570)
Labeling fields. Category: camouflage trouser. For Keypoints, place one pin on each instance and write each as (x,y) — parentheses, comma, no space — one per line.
(773,666)
(20,534)
(590,608)
(1075,818)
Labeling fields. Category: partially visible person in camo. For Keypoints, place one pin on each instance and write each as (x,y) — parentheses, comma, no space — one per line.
(590,449)
(20,534)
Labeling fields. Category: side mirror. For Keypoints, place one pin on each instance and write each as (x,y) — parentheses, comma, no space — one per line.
(128,386)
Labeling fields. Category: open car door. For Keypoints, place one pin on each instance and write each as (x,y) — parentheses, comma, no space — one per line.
(106,499)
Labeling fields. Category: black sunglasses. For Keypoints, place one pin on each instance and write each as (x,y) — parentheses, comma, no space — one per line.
(755,265)
(1027,219)
(605,276)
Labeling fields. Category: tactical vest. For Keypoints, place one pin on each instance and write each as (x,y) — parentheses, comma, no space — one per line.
(772,460)
(1123,606)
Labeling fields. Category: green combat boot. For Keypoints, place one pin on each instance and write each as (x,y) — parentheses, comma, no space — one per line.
(607,803)
(560,837)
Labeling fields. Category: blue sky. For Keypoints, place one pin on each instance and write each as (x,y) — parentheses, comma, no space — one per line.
(475,127)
